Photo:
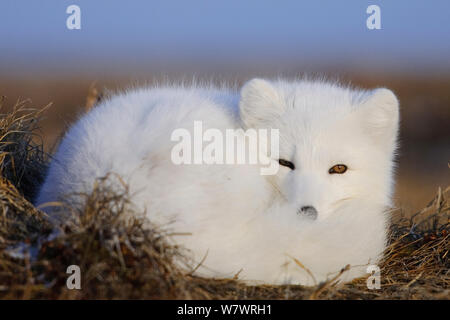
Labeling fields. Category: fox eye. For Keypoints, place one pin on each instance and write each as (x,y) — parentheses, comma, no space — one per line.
(286,163)
(338,168)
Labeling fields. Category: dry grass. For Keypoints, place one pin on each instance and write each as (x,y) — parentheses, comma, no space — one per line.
(120,258)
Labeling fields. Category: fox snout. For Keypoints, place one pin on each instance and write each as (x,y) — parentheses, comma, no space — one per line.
(306,197)
(308,212)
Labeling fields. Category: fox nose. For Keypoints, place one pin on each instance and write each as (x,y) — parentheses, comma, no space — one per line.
(309,212)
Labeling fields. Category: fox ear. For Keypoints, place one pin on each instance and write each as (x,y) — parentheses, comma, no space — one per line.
(381,116)
(259,103)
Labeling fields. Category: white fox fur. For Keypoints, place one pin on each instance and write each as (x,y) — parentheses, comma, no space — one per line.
(239,220)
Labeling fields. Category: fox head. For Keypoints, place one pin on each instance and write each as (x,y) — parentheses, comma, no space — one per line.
(336,144)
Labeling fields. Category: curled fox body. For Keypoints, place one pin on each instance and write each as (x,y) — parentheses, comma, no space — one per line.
(325,207)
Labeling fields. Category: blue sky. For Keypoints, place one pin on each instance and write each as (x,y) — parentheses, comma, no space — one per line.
(115,34)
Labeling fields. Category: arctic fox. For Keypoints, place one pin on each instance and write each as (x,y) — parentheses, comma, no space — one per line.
(326,207)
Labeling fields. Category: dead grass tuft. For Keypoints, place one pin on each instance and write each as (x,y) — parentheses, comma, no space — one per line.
(22,159)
